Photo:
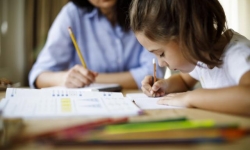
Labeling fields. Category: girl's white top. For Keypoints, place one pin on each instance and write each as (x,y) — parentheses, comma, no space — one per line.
(236,62)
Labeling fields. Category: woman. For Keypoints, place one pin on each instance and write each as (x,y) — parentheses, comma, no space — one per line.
(109,47)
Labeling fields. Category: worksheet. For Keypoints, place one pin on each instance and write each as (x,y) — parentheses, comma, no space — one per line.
(40,103)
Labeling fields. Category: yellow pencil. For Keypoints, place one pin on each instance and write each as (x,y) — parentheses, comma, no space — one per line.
(154,70)
(154,76)
(77,48)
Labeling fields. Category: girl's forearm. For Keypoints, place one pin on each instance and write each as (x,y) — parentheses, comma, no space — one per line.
(235,100)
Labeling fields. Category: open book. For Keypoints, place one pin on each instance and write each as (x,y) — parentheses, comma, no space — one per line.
(35,103)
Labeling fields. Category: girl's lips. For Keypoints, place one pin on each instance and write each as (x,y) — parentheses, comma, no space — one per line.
(172,68)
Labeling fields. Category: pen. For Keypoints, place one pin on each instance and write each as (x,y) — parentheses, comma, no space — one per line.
(76,47)
(154,76)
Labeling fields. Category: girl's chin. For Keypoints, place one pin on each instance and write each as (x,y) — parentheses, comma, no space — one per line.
(186,70)
(183,71)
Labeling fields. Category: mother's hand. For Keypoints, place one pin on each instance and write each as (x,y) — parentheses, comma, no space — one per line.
(78,76)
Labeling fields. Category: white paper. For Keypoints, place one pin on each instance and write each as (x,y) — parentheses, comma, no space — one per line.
(145,102)
(43,103)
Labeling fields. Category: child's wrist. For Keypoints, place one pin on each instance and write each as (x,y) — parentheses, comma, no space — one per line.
(189,99)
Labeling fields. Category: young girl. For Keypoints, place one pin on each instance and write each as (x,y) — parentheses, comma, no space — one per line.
(191,36)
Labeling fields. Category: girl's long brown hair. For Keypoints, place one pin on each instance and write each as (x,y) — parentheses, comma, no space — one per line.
(197,25)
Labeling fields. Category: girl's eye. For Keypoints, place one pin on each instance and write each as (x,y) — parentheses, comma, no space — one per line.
(162,55)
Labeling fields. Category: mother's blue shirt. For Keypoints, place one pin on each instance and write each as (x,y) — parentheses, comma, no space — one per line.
(105,48)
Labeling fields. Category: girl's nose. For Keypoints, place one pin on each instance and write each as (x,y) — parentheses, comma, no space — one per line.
(162,63)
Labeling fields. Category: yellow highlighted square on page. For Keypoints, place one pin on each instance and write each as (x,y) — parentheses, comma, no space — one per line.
(66,105)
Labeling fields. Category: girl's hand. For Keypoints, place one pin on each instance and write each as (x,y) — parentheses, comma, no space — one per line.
(78,76)
(176,99)
(158,89)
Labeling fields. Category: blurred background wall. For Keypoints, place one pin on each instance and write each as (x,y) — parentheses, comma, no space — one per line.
(24,25)
(237,12)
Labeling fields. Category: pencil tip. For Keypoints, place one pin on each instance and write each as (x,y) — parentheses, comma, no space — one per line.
(69,29)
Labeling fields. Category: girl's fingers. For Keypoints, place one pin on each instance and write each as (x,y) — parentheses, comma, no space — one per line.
(146,91)
(157,85)
(146,85)
(160,93)
(152,90)
(157,89)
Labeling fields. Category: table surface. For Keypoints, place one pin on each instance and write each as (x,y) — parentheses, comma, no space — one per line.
(33,127)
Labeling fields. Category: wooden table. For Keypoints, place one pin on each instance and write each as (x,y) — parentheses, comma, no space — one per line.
(38,126)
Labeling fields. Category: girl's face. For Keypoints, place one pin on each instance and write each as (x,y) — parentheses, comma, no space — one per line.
(168,54)
(103,4)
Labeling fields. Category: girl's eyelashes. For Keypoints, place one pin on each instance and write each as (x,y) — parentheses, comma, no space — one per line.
(162,54)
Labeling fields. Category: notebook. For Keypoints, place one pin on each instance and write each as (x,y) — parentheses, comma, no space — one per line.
(36,103)
(145,102)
